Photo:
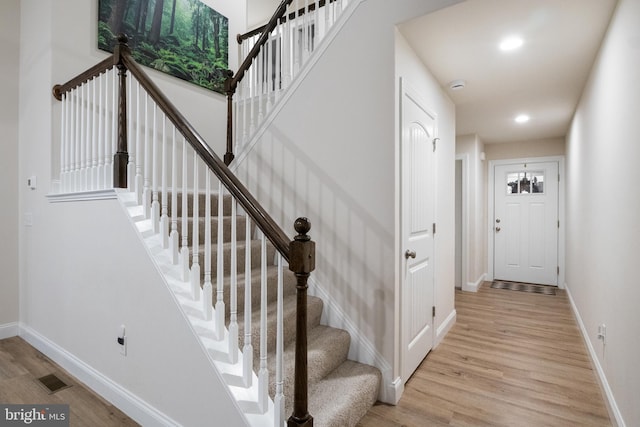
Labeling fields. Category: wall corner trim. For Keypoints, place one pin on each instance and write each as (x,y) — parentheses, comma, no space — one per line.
(610,401)
(122,398)
(474,286)
(9,330)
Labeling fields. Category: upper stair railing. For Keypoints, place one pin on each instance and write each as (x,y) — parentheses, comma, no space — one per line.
(274,53)
(125,133)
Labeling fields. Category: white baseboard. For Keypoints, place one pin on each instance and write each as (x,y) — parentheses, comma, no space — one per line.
(612,406)
(130,404)
(9,330)
(474,286)
(444,327)
(361,350)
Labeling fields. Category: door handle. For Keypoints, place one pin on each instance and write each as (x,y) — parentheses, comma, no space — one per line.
(409,254)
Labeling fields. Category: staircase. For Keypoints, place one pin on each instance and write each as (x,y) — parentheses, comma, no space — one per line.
(220,253)
(341,391)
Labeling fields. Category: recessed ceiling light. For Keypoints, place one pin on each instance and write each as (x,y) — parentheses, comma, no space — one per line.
(511,43)
(522,118)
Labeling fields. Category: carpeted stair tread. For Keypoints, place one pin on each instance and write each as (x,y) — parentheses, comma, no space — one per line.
(240,229)
(288,287)
(328,348)
(241,246)
(343,397)
(201,203)
(314,312)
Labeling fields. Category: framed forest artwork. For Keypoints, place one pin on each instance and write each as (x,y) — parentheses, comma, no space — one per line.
(184,38)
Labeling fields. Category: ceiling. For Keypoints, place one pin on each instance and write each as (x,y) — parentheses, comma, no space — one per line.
(543,78)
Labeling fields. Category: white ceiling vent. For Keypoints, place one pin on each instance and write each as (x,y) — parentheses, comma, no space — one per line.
(457,84)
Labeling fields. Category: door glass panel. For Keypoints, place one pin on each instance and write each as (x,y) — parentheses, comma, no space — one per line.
(525,182)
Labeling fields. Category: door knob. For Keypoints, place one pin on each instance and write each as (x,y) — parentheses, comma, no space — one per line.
(497,229)
(409,254)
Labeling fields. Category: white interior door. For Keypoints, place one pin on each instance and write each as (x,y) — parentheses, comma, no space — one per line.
(526,224)
(417,204)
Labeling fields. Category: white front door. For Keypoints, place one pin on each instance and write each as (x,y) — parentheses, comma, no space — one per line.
(417,204)
(525,227)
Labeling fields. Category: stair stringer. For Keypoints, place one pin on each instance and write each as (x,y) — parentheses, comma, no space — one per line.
(295,83)
(216,350)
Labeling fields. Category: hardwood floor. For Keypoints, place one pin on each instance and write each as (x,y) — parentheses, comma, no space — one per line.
(21,365)
(512,359)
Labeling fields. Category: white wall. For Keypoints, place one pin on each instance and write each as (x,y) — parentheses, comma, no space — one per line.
(472,147)
(82,268)
(9,219)
(330,155)
(603,207)
(525,149)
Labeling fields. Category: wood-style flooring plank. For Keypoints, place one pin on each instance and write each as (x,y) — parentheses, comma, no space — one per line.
(21,365)
(512,359)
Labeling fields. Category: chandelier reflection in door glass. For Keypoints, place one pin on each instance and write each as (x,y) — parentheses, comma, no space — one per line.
(525,182)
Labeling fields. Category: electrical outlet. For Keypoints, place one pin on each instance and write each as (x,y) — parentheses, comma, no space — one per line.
(602,333)
(122,340)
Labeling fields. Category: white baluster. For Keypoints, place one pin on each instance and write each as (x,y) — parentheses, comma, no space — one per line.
(88,142)
(233,319)
(184,252)
(220,307)
(94,150)
(100,137)
(139,146)
(146,193)
(207,288)
(174,242)
(287,61)
(277,85)
(278,399)
(261,78)
(247,350)
(263,373)
(164,213)
(155,203)
(111,125)
(131,141)
(195,265)
(76,151)
(83,138)
(252,96)
(63,137)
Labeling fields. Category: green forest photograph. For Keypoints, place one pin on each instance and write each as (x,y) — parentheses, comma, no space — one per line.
(184,38)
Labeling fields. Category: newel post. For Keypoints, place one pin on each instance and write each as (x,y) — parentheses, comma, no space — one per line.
(230,90)
(302,261)
(121,158)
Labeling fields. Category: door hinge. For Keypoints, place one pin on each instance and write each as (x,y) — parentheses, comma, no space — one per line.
(558,270)
(558,177)
(434,143)
(558,223)
(434,228)
(433,311)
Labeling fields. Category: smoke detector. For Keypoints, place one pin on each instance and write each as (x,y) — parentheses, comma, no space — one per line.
(457,84)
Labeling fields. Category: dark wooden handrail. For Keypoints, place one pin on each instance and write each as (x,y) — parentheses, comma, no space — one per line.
(272,231)
(95,71)
(233,80)
(293,15)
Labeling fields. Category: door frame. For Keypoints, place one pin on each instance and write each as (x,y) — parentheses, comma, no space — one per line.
(405,87)
(561,210)
(464,229)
